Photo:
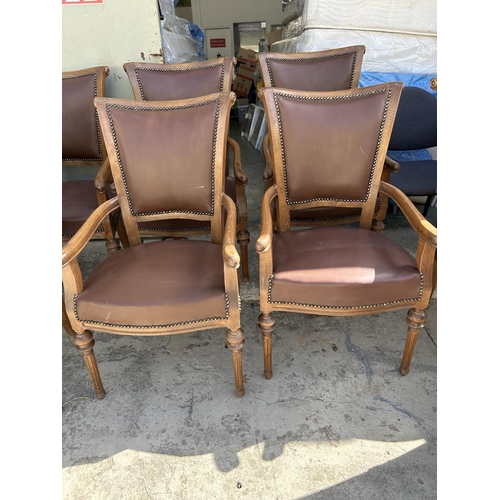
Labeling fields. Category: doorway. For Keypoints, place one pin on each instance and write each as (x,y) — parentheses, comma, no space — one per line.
(247,36)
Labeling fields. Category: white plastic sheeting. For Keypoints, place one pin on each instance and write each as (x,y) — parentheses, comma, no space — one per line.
(400,36)
(417,17)
(182,40)
(292,29)
(385,52)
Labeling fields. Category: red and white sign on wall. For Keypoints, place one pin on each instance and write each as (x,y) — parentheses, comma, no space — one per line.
(80,2)
(217,42)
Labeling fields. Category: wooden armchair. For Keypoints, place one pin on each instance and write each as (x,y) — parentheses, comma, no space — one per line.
(157,82)
(82,145)
(325,70)
(168,286)
(337,270)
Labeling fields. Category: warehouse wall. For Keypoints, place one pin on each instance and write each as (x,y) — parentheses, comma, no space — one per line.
(111,34)
(224,13)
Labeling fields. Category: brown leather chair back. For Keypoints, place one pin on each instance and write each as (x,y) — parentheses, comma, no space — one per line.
(333,69)
(143,157)
(329,148)
(161,82)
(81,135)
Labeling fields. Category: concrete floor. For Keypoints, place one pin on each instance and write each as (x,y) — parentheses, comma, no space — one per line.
(337,420)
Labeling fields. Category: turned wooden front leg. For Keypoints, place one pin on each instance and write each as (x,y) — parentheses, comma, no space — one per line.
(84,342)
(266,325)
(416,321)
(243,238)
(235,341)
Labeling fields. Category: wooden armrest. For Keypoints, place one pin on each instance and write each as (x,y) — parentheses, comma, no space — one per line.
(265,239)
(391,165)
(229,252)
(102,176)
(268,169)
(419,223)
(239,175)
(77,243)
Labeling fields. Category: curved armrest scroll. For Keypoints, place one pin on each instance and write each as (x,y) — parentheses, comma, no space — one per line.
(102,176)
(265,239)
(229,252)
(391,165)
(239,175)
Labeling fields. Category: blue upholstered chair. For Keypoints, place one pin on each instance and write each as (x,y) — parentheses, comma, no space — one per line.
(414,131)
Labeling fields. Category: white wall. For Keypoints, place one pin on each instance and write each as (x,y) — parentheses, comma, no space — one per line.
(118,31)
(110,34)
(184,13)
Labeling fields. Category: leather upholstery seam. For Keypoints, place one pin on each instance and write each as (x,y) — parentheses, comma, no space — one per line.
(331,98)
(154,327)
(366,306)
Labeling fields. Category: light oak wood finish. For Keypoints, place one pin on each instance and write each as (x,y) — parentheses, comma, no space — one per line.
(151,81)
(170,286)
(336,270)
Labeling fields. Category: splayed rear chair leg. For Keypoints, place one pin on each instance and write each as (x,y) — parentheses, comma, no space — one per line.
(416,321)
(84,342)
(266,325)
(235,341)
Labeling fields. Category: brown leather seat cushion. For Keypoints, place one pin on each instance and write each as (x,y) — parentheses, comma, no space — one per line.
(342,267)
(156,284)
(79,200)
(186,224)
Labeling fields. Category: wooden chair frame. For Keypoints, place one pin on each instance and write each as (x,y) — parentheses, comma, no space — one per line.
(426,247)
(223,230)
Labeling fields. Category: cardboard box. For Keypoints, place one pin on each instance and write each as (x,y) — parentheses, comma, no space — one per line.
(244,80)
(247,56)
(274,36)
